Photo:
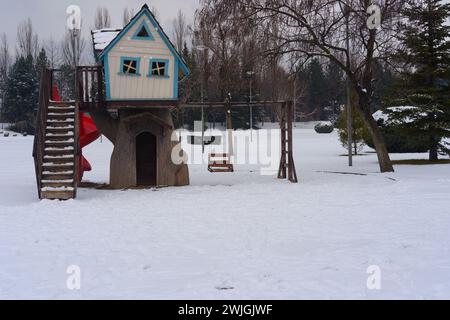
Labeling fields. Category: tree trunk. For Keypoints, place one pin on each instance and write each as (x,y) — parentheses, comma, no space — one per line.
(105,124)
(360,100)
(380,146)
(433,156)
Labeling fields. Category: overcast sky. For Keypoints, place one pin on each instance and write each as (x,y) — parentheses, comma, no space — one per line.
(49,16)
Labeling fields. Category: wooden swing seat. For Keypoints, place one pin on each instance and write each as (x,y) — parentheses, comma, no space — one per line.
(220,162)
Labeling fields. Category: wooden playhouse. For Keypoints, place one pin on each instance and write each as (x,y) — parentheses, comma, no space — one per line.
(128,94)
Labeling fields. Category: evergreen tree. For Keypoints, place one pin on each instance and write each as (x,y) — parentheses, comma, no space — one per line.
(335,91)
(425,84)
(317,89)
(41,63)
(21,99)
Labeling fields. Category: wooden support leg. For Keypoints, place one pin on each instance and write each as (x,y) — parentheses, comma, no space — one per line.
(282,171)
(291,164)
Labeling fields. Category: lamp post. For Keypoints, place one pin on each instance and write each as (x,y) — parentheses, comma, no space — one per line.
(204,49)
(349,102)
(250,75)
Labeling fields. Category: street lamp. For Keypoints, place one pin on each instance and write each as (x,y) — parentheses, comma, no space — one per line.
(349,102)
(250,75)
(202,97)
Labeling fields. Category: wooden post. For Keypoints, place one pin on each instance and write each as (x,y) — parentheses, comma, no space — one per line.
(291,164)
(99,102)
(282,169)
(287,165)
(230,132)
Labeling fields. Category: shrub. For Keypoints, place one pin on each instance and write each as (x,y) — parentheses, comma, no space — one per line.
(324,128)
(397,141)
(358,134)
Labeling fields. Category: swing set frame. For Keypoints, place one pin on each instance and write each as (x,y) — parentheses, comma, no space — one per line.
(285,111)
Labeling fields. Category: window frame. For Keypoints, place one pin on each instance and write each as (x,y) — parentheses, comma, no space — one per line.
(138,66)
(150,35)
(166,68)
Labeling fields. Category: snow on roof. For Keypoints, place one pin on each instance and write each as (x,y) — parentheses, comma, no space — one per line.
(103,37)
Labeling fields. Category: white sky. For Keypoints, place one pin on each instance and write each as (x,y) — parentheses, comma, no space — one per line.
(49,16)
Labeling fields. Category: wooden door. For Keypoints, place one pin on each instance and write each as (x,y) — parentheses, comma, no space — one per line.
(146,171)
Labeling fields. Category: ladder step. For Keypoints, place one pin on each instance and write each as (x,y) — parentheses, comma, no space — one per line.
(59,161)
(59,138)
(57,184)
(61,110)
(61,125)
(57,177)
(59,130)
(58,168)
(55,144)
(61,116)
(59,152)
(58,195)
(61,104)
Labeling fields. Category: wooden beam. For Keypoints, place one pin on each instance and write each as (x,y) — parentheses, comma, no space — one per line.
(238,104)
(155,118)
(140,104)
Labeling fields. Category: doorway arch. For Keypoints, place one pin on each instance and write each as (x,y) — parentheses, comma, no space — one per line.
(146,160)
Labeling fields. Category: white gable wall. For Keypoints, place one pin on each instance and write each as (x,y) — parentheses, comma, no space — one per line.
(126,87)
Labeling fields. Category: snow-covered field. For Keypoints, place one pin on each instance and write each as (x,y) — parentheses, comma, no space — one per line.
(230,236)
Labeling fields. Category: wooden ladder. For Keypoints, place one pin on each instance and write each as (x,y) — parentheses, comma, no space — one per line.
(56,146)
(287,165)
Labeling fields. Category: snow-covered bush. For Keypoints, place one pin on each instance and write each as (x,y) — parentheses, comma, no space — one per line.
(324,128)
(396,138)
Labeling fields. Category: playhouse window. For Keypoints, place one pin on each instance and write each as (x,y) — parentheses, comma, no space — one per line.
(130,66)
(159,68)
(143,33)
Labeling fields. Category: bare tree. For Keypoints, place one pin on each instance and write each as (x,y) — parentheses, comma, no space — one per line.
(72,49)
(5,57)
(318,28)
(155,12)
(53,53)
(27,40)
(128,13)
(5,63)
(102,18)
(180,30)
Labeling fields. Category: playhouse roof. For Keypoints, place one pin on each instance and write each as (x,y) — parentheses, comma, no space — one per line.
(102,38)
(105,39)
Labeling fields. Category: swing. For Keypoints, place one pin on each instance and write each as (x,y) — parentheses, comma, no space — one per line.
(220,162)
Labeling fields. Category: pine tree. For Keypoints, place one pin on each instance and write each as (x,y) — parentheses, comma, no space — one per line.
(335,91)
(41,63)
(22,94)
(317,89)
(425,84)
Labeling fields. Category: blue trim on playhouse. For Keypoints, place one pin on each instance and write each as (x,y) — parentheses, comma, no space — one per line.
(107,84)
(145,11)
(148,38)
(150,68)
(175,80)
(138,66)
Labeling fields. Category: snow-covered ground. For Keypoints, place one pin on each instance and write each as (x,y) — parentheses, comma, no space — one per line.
(231,236)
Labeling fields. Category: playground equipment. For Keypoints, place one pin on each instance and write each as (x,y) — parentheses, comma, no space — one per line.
(220,162)
(129,95)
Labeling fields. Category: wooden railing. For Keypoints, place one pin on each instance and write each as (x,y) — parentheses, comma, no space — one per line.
(41,122)
(90,87)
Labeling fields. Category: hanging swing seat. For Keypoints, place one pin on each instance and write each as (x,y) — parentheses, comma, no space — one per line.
(220,162)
